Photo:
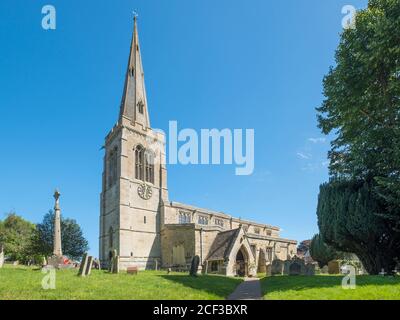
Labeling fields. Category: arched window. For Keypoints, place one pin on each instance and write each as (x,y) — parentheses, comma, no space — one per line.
(149,166)
(139,163)
(110,237)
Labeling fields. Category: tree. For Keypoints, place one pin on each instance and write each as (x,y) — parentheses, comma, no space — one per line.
(74,245)
(348,222)
(16,234)
(362,109)
(362,105)
(321,252)
(303,247)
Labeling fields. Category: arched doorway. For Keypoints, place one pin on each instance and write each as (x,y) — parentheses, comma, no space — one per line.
(241,263)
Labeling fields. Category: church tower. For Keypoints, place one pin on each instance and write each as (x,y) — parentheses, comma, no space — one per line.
(134,184)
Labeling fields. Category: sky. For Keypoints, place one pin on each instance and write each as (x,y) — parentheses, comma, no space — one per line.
(208,64)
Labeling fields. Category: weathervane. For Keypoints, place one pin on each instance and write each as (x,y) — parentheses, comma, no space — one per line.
(135,14)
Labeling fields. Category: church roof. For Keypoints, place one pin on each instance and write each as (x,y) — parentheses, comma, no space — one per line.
(222,245)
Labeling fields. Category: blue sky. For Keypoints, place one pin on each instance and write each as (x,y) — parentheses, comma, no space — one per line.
(208,64)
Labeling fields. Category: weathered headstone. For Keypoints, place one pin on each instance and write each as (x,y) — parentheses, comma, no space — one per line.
(89,266)
(310,269)
(324,270)
(194,266)
(114,263)
(83,266)
(333,267)
(1,256)
(295,269)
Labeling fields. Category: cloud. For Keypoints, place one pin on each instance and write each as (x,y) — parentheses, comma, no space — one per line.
(302,155)
(317,140)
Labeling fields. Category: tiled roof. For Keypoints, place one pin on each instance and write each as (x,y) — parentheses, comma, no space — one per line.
(222,245)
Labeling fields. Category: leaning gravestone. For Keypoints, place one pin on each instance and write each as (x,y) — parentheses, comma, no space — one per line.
(83,266)
(89,266)
(1,256)
(194,266)
(114,264)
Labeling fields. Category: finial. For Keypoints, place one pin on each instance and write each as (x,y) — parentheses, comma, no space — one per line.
(56,194)
(135,15)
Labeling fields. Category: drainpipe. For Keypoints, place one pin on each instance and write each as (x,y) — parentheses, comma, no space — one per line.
(201,245)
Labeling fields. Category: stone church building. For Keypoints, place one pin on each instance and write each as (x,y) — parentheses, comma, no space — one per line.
(147,230)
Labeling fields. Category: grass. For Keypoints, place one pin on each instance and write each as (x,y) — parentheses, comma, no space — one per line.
(325,287)
(23,283)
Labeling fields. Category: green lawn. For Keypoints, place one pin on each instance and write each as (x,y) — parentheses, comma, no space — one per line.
(25,283)
(325,287)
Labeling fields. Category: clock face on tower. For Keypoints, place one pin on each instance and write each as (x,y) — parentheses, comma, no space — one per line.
(145,191)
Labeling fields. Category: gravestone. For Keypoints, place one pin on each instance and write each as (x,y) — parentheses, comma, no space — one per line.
(277,267)
(83,266)
(114,263)
(333,267)
(1,256)
(310,269)
(89,266)
(295,269)
(194,266)
(324,270)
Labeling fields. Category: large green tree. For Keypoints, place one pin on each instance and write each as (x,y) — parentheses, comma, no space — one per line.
(17,234)
(348,222)
(74,244)
(362,109)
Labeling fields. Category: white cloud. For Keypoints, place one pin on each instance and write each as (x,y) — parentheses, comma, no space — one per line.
(317,140)
(304,155)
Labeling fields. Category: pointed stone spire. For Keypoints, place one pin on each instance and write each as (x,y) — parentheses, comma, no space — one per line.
(134,100)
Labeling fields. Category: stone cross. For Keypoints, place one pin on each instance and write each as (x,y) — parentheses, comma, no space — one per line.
(382,273)
(57,251)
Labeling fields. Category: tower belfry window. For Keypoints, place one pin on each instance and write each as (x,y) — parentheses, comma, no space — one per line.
(149,166)
(140,107)
(139,162)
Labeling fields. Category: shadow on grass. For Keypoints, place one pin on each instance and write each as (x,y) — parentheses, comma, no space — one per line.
(213,284)
(299,283)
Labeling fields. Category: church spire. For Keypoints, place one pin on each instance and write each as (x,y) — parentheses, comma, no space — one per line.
(134,100)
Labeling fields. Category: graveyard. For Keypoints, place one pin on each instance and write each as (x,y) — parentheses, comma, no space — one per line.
(21,282)
(25,283)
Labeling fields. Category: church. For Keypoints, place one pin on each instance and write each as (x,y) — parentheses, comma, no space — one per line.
(146,228)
